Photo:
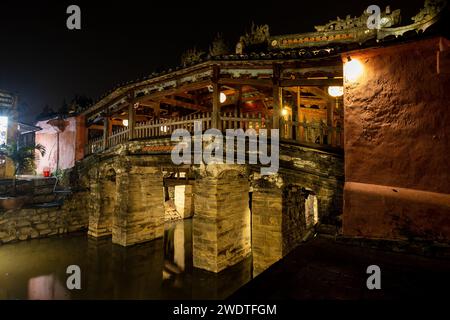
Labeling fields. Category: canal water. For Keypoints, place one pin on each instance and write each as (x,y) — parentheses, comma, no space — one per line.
(160,269)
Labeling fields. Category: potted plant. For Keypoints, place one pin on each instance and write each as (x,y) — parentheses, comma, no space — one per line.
(23,159)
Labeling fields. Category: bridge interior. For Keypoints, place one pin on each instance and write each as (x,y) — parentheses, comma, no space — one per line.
(244,94)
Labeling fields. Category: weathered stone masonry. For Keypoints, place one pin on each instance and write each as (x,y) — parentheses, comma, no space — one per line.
(221,226)
(35,223)
(126,200)
(280,219)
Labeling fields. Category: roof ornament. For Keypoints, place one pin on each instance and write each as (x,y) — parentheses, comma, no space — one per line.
(431,9)
(192,56)
(258,35)
(218,46)
(388,19)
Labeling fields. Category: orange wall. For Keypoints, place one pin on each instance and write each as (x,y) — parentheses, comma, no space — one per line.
(397,141)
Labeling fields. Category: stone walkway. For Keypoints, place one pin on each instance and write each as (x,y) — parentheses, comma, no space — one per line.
(323,269)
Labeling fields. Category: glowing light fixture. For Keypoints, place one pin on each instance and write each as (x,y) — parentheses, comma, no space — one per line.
(336,91)
(125,122)
(223,97)
(353,69)
(284,112)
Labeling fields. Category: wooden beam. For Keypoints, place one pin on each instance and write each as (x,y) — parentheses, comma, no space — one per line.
(257,97)
(185,95)
(215,117)
(250,82)
(319,92)
(157,111)
(88,113)
(131,121)
(187,105)
(173,91)
(276,96)
(311,82)
(172,182)
(105,132)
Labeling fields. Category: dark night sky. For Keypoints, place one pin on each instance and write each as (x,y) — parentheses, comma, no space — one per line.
(44,62)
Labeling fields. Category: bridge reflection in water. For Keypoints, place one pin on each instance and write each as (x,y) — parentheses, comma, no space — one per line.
(160,269)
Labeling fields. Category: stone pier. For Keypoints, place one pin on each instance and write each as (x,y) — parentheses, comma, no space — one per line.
(280,220)
(221,226)
(103,200)
(127,202)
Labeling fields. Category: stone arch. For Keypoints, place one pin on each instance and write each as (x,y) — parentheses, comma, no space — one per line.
(300,205)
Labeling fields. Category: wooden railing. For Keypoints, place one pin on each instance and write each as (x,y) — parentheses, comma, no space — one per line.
(161,128)
(317,132)
(94,146)
(119,136)
(243,121)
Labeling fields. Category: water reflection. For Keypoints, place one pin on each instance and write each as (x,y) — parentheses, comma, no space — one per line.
(46,288)
(160,269)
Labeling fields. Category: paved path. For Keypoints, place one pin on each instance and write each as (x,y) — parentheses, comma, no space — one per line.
(323,269)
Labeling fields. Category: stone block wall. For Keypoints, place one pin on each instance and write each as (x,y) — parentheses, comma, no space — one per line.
(140,206)
(221,226)
(293,223)
(103,200)
(36,223)
(267,237)
(320,171)
(280,219)
(126,200)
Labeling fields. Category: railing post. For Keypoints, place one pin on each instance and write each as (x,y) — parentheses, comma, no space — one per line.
(215,120)
(105,132)
(330,113)
(131,120)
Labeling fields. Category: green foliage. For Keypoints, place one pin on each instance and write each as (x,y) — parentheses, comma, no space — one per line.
(59,174)
(23,157)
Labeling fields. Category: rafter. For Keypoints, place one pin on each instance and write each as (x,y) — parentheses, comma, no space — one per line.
(187,105)
(173,91)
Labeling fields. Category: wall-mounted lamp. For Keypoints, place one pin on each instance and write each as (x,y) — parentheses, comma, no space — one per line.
(125,122)
(223,97)
(336,91)
(353,69)
(284,112)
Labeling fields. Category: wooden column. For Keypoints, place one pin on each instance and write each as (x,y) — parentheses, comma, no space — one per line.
(276,96)
(106,126)
(110,127)
(330,113)
(215,118)
(238,102)
(85,140)
(157,110)
(131,121)
(294,120)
